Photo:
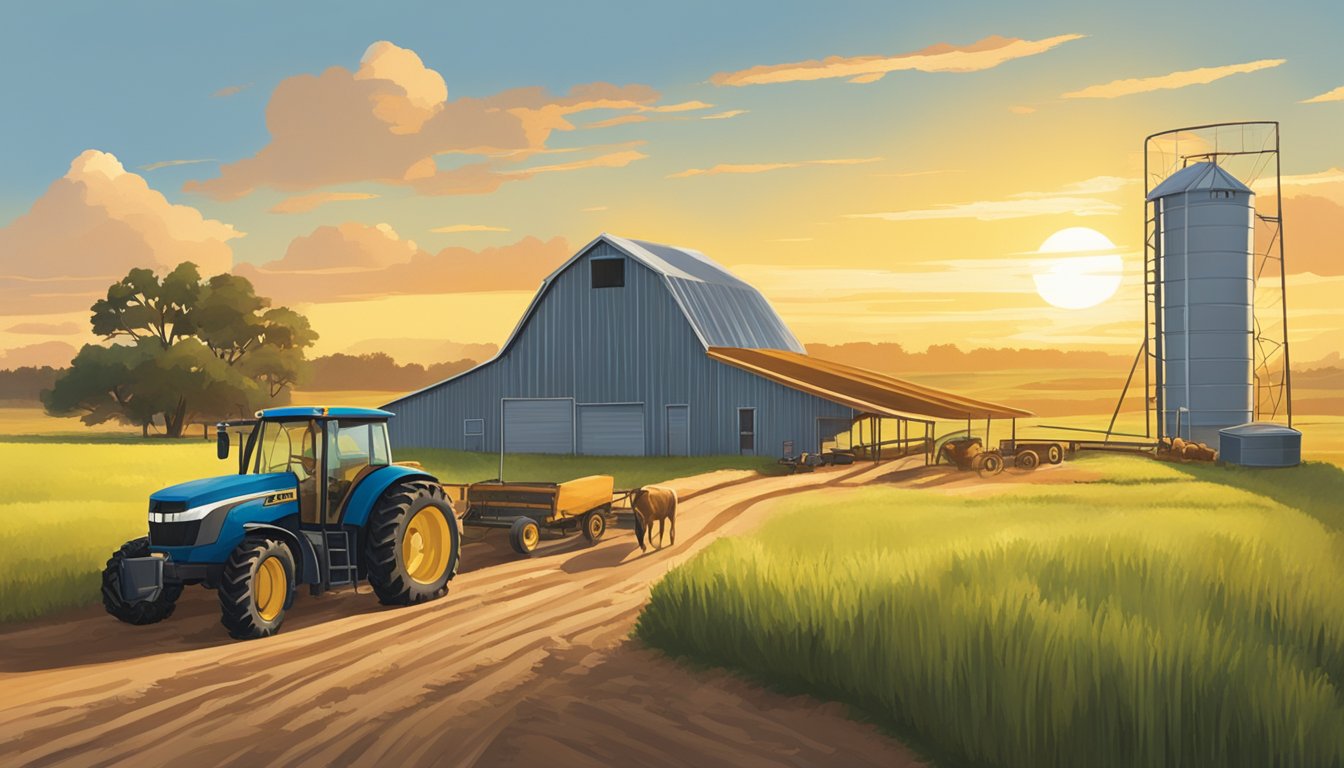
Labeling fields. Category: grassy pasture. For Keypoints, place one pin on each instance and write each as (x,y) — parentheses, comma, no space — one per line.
(1162,616)
(65,505)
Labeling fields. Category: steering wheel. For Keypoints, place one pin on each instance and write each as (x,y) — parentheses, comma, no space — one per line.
(309,463)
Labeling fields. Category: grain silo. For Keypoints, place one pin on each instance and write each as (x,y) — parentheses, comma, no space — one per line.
(1204,291)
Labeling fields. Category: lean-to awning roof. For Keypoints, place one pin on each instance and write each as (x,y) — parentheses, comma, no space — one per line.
(866,391)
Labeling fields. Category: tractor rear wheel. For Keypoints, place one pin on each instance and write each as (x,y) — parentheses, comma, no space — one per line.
(414,543)
(145,611)
(256,588)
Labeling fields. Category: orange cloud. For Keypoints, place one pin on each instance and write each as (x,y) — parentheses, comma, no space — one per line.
(724,115)
(983,54)
(1117,88)
(387,120)
(46,329)
(1335,95)
(230,90)
(172,163)
(454,228)
(306,203)
(93,225)
(723,168)
(356,261)
(56,354)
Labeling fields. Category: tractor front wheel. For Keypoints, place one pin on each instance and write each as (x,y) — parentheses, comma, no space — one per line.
(414,543)
(145,611)
(256,588)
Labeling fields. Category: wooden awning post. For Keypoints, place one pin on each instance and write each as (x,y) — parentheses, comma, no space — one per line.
(987,431)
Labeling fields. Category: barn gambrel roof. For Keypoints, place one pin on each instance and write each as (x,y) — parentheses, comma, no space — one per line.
(722,310)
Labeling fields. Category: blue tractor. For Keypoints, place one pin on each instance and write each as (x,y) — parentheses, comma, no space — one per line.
(317,500)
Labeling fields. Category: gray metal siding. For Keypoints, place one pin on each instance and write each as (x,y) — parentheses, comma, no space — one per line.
(539,426)
(611,429)
(678,430)
(614,345)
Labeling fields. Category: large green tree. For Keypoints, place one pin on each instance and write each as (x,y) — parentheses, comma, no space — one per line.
(182,349)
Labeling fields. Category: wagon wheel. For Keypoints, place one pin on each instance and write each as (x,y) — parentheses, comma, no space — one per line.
(990,464)
(1027,460)
(594,525)
(524,535)
(1054,454)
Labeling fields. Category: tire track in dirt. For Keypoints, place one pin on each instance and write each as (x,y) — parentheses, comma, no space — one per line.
(474,679)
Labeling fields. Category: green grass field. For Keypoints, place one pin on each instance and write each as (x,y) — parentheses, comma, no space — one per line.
(1163,616)
(65,505)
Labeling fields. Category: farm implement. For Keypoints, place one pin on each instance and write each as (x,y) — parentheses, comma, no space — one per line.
(317,500)
(970,454)
(527,510)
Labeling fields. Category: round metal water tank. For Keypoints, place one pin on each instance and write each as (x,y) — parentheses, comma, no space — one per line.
(1260,444)
(1205,246)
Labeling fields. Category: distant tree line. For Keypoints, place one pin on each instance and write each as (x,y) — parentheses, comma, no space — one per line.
(377,371)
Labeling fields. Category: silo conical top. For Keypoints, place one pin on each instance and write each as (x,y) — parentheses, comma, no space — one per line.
(1198,177)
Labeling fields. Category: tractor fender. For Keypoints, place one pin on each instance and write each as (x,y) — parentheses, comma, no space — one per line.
(371,488)
(308,573)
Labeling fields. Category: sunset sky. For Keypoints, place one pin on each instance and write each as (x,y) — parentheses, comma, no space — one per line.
(406,173)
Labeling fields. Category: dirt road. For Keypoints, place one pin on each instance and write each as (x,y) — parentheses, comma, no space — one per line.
(526,662)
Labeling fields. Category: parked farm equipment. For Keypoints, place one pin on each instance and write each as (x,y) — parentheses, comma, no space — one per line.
(317,500)
(969,454)
(528,510)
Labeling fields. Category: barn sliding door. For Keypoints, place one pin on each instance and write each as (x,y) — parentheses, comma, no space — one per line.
(611,429)
(539,426)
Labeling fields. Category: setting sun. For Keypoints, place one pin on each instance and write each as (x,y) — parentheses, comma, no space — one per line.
(1086,272)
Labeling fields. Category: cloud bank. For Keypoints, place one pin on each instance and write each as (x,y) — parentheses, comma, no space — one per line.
(89,228)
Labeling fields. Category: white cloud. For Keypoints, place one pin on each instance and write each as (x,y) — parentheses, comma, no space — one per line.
(1181,79)
(1075,198)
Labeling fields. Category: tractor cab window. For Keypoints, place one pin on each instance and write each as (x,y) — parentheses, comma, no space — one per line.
(287,446)
(356,448)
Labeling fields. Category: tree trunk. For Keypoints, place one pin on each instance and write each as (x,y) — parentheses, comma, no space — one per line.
(175,422)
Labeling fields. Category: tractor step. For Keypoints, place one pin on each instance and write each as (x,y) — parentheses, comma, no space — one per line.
(333,549)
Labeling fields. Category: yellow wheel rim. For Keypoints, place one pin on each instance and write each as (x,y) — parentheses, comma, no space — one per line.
(595,525)
(425,546)
(531,535)
(271,587)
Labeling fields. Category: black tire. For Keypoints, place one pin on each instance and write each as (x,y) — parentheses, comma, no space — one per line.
(990,464)
(1027,460)
(524,535)
(383,551)
(244,612)
(1054,454)
(594,526)
(144,612)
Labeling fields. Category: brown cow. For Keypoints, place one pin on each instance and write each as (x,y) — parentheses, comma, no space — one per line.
(654,504)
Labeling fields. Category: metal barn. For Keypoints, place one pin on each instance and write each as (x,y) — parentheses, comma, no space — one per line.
(610,359)
(640,349)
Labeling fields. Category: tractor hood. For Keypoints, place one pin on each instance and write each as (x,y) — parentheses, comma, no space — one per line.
(212,489)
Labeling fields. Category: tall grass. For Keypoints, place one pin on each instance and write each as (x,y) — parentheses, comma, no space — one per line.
(1170,622)
(64,507)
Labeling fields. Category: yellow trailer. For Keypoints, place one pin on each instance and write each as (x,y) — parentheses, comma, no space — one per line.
(582,505)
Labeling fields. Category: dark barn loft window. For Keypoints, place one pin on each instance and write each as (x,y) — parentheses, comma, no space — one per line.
(608,273)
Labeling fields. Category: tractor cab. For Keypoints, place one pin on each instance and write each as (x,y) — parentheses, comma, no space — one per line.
(316,500)
(329,451)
